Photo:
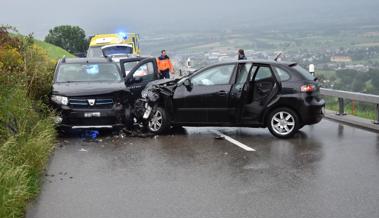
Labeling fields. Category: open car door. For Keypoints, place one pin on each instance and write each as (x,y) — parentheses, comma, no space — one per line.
(138,73)
(260,88)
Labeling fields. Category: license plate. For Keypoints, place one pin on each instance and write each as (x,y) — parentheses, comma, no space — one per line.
(92,114)
(147,112)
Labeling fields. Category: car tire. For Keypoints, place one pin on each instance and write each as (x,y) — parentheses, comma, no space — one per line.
(283,122)
(158,122)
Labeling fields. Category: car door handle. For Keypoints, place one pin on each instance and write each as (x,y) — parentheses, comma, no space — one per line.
(222,93)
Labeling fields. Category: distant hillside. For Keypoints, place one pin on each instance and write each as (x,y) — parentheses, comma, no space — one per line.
(53,51)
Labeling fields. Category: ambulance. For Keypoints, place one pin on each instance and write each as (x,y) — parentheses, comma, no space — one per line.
(114,45)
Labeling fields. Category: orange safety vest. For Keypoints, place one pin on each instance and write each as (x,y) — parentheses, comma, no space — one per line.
(164,64)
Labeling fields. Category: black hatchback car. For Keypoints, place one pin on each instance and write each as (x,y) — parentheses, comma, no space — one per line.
(96,92)
(281,96)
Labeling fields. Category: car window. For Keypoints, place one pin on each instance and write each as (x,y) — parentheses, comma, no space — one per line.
(144,70)
(94,52)
(263,73)
(283,74)
(219,75)
(128,66)
(242,73)
(117,50)
(88,72)
(307,75)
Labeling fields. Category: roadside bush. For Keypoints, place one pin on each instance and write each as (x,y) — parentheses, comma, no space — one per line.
(27,130)
(38,72)
(27,139)
(14,181)
(28,135)
(24,63)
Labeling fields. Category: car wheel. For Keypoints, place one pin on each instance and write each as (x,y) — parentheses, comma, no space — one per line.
(283,122)
(158,122)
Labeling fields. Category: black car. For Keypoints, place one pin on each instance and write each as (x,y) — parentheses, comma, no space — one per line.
(96,92)
(281,96)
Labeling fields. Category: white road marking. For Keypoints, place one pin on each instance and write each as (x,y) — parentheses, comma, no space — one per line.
(230,139)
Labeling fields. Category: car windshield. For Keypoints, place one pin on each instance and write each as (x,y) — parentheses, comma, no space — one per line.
(94,52)
(88,72)
(304,72)
(117,50)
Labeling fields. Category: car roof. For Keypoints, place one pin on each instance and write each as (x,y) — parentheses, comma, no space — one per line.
(259,61)
(94,60)
(84,60)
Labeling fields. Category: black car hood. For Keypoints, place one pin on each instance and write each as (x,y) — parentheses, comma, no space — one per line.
(87,88)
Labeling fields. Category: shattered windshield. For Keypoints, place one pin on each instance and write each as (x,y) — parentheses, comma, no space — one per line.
(88,72)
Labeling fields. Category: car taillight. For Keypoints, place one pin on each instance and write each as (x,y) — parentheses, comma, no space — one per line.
(308,88)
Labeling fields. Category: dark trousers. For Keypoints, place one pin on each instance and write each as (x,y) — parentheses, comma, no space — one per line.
(165,74)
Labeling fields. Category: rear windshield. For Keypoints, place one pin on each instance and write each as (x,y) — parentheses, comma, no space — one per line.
(117,50)
(94,52)
(88,72)
(304,72)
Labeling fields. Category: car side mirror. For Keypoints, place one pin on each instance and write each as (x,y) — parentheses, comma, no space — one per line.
(187,83)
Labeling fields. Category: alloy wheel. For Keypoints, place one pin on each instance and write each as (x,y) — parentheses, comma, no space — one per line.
(155,123)
(283,123)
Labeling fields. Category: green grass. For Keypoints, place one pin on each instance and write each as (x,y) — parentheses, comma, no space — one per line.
(27,139)
(27,131)
(53,51)
(363,110)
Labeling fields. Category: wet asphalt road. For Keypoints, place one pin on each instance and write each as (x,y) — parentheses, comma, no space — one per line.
(328,170)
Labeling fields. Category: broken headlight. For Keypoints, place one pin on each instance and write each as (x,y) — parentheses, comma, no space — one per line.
(144,93)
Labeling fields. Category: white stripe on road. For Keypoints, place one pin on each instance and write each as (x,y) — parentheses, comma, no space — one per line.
(239,144)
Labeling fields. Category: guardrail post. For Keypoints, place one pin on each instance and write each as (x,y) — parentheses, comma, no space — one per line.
(377,115)
(341,107)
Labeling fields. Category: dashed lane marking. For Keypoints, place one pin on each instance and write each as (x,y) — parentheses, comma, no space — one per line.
(230,139)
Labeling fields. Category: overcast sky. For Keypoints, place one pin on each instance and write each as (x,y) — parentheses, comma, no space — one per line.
(96,16)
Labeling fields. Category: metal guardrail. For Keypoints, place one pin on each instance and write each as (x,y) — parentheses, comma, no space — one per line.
(342,95)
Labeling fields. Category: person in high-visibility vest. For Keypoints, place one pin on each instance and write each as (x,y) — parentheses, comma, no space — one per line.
(165,66)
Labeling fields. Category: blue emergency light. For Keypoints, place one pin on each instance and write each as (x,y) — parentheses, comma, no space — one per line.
(123,35)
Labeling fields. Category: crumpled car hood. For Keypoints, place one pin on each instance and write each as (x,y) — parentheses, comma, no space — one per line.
(165,84)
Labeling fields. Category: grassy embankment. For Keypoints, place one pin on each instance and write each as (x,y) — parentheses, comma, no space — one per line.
(27,133)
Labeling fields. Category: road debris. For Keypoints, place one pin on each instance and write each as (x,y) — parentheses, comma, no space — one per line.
(90,135)
(137,132)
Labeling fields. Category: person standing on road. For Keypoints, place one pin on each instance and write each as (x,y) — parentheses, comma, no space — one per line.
(241,55)
(165,66)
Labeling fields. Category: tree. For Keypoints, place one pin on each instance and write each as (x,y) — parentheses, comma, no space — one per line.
(71,38)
